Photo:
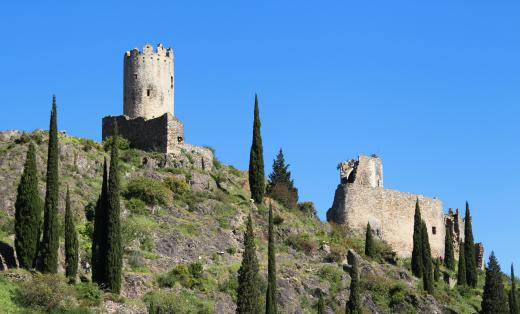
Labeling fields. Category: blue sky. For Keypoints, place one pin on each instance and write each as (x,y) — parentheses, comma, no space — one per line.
(430,87)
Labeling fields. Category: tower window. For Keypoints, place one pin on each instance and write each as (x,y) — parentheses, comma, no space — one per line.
(434,230)
(135,76)
(171,81)
(148,92)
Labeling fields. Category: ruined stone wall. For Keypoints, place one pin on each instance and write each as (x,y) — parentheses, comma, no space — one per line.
(148,82)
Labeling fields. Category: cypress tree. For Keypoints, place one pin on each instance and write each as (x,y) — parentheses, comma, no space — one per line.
(99,234)
(271,306)
(28,213)
(370,250)
(461,271)
(449,257)
(50,239)
(417,258)
(513,301)
(321,304)
(494,300)
(71,242)
(248,291)
(437,271)
(354,301)
(280,186)
(469,251)
(256,160)
(426,260)
(114,248)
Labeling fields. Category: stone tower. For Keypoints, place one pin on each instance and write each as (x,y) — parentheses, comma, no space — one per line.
(148,82)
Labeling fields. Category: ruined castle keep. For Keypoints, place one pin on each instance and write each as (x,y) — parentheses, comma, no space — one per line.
(148,122)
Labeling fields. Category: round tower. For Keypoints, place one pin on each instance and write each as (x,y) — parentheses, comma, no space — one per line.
(148,82)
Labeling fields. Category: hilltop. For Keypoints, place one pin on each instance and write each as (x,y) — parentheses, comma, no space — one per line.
(183,224)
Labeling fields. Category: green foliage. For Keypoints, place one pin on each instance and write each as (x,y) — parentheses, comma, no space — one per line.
(89,293)
(469,251)
(50,241)
(427,272)
(150,191)
(141,229)
(307,208)
(461,271)
(248,291)
(271,306)
(320,306)
(513,299)
(354,304)
(161,302)
(449,255)
(28,212)
(494,300)
(45,293)
(369,242)
(436,270)
(189,276)
(280,186)
(136,206)
(302,242)
(417,267)
(122,143)
(99,239)
(176,185)
(71,242)
(8,291)
(256,160)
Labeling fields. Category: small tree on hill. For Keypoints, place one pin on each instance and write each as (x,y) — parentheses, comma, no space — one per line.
(426,260)
(494,300)
(280,185)
(370,249)
(461,270)
(248,291)
(71,242)
(469,251)
(256,160)
(449,257)
(513,300)
(28,213)
(271,306)
(417,267)
(354,301)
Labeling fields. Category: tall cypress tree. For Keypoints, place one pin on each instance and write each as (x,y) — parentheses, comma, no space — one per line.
(354,301)
(248,291)
(461,271)
(71,242)
(99,234)
(50,240)
(513,300)
(449,257)
(426,260)
(494,300)
(437,270)
(271,306)
(321,304)
(469,251)
(256,160)
(28,213)
(370,249)
(114,248)
(417,258)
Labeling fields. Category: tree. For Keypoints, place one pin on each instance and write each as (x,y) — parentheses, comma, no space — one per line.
(280,186)
(426,260)
(71,242)
(271,306)
(461,271)
(370,249)
(437,271)
(321,304)
(114,248)
(469,251)
(417,258)
(354,301)
(50,239)
(28,213)
(248,291)
(449,257)
(99,234)
(256,160)
(494,300)
(513,301)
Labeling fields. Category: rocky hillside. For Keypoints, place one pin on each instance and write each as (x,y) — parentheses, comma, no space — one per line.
(183,224)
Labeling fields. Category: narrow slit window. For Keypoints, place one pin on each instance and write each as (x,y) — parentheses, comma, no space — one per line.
(171,82)
(148,92)
(434,230)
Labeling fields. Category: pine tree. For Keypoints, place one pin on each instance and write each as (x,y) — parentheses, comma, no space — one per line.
(248,291)
(271,306)
(426,260)
(370,250)
(494,300)
(469,251)
(513,300)
(321,304)
(50,240)
(114,248)
(354,301)
(71,242)
(449,257)
(437,270)
(28,213)
(417,267)
(99,234)
(280,186)
(256,160)
(461,271)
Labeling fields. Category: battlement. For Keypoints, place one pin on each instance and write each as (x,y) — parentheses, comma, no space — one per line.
(148,50)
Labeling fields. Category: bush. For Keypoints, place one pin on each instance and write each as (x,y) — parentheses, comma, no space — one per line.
(136,206)
(176,185)
(287,196)
(89,293)
(302,242)
(307,208)
(189,276)
(232,250)
(148,190)
(161,302)
(45,293)
(122,143)
(277,220)
(337,254)
(141,229)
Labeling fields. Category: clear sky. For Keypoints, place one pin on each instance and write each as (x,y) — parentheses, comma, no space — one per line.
(432,88)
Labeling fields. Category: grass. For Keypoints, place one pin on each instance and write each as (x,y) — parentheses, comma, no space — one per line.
(7,294)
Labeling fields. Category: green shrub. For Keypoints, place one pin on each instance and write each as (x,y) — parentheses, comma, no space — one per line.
(136,206)
(161,302)
(148,190)
(45,293)
(122,143)
(302,242)
(176,185)
(232,250)
(277,220)
(188,276)
(141,229)
(89,293)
